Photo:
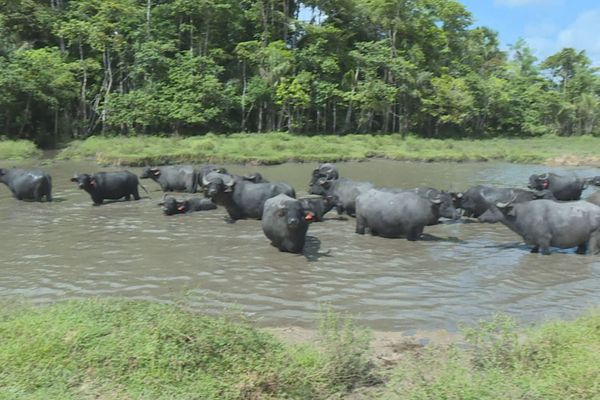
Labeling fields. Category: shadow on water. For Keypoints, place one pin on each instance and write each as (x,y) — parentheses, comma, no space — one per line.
(311,249)
(426,237)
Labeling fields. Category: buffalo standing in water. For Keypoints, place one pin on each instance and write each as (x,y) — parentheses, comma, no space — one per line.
(392,215)
(285,223)
(27,184)
(109,185)
(242,198)
(545,223)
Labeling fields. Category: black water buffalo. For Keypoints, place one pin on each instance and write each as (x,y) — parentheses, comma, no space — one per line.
(109,185)
(545,223)
(325,171)
(173,206)
(345,190)
(27,184)
(285,222)
(171,178)
(562,187)
(242,198)
(319,206)
(255,177)
(394,214)
(478,199)
(448,200)
(205,169)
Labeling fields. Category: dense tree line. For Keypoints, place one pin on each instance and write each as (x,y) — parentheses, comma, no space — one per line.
(73,68)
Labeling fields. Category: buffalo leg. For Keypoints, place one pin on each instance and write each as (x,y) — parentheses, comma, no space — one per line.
(360,225)
(536,249)
(136,194)
(582,248)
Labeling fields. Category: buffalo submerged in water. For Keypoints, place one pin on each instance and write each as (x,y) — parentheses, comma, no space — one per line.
(285,223)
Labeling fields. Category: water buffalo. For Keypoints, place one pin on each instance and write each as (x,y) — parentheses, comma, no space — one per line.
(173,177)
(205,169)
(545,223)
(345,190)
(173,206)
(319,206)
(27,184)
(255,177)
(242,198)
(109,185)
(448,200)
(285,222)
(391,215)
(562,187)
(326,171)
(478,199)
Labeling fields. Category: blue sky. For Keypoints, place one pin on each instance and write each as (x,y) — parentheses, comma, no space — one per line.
(546,25)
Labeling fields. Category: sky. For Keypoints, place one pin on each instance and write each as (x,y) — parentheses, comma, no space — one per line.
(546,25)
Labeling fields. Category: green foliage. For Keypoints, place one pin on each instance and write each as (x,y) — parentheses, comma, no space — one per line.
(128,349)
(76,68)
(17,149)
(276,148)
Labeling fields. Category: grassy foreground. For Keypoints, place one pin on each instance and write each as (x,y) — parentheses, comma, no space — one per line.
(18,150)
(118,349)
(275,148)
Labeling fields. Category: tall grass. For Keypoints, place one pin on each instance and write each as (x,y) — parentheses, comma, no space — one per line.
(18,149)
(274,148)
(559,360)
(124,349)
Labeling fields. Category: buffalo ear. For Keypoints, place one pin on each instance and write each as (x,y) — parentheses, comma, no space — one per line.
(73,179)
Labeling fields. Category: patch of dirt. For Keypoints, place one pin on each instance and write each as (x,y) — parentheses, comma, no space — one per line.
(574,160)
(387,347)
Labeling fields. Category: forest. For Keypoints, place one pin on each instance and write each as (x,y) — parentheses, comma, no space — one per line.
(76,68)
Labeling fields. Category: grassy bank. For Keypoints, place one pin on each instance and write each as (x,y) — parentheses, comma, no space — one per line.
(115,349)
(18,150)
(112,349)
(275,148)
(558,360)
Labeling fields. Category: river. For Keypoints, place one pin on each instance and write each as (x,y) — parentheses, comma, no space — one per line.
(69,249)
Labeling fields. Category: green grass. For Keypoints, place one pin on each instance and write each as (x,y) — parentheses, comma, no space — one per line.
(118,349)
(123,349)
(18,150)
(559,360)
(275,148)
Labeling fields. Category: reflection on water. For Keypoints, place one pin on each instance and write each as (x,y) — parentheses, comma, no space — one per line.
(462,272)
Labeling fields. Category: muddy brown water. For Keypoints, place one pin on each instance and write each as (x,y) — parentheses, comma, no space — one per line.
(463,272)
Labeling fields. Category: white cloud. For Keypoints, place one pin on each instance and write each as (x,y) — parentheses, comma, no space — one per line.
(523,3)
(582,34)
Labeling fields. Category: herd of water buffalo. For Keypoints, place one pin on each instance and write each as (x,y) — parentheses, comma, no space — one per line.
(550,214)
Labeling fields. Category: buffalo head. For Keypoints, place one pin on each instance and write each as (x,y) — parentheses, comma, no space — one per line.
(85,181)
(215,183)
(150,172)
(539,182)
